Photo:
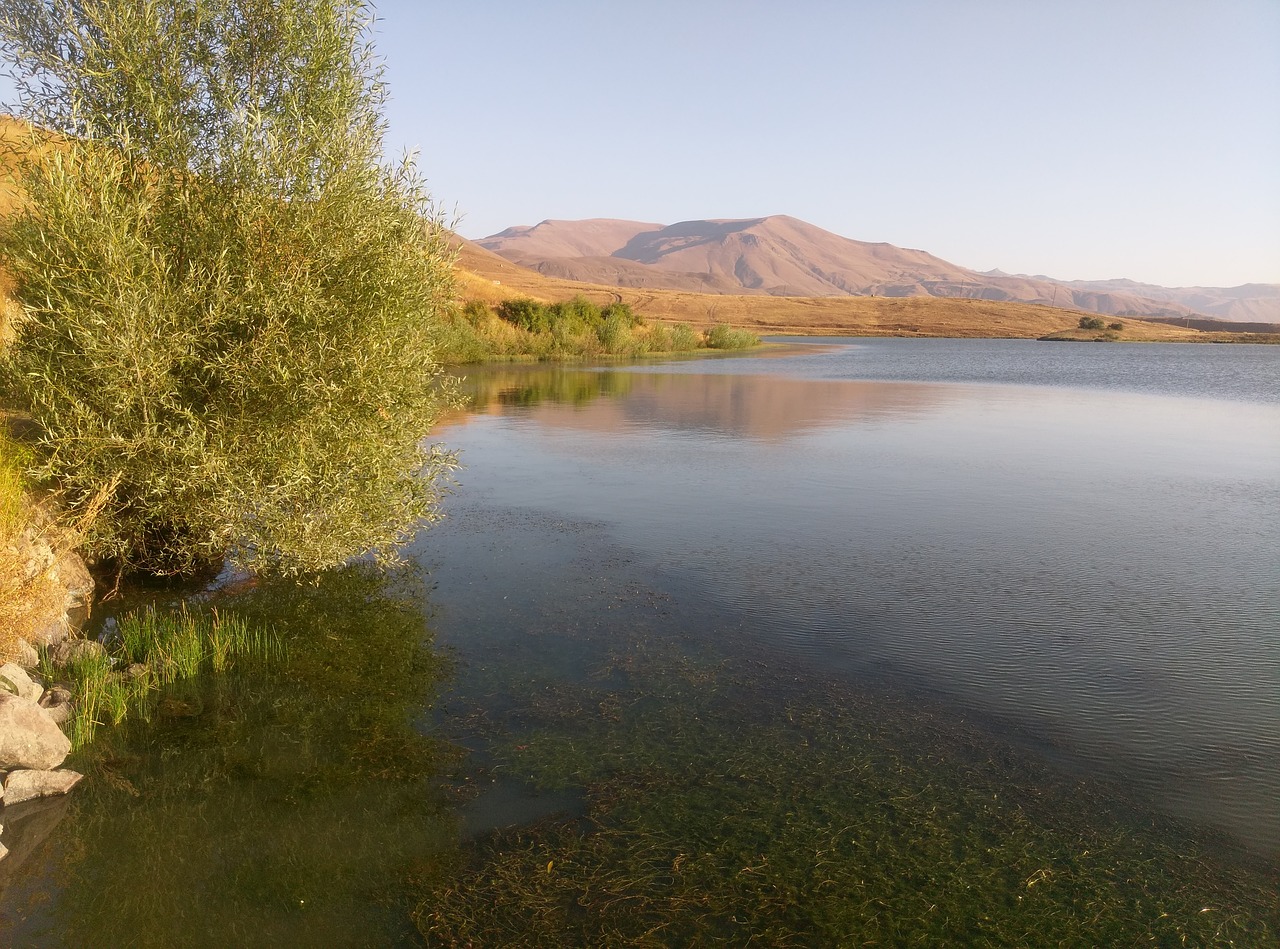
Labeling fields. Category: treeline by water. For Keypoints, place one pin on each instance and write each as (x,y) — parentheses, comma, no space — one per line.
(524,328)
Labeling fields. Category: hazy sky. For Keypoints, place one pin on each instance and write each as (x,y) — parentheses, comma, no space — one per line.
(1083,140)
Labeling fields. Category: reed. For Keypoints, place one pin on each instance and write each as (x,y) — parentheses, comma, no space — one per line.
(154,649)
(723,336)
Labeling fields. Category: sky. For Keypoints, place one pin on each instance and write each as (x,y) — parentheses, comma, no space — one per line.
(1083,140)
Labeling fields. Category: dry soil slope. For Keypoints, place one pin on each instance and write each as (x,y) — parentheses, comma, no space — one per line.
(483,275)
(781,256)
(1247,303)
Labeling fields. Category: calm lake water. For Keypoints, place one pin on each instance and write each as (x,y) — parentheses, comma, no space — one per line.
(1064,558)
(1090,562)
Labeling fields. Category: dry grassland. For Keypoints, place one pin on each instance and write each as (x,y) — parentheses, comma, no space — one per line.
(486,276)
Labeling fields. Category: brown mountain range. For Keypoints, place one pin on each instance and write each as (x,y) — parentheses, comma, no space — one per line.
(783,256)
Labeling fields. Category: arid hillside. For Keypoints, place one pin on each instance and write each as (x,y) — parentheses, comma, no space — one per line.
(1248,303)
(483,275)
(783,256)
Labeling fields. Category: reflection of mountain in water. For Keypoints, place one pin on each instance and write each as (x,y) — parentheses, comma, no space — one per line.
(758,406)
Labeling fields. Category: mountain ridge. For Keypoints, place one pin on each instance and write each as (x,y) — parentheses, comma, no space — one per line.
(781,255)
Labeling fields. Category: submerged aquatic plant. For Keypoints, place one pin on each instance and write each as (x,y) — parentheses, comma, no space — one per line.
(296,804)
(722,810)
(154,648)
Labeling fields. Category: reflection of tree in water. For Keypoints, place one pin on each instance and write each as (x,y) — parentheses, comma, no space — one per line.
(278,805)
(529,387)
(755,405)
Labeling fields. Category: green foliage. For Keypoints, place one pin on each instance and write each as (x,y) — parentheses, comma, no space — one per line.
(529,315)
(722,807)
(476,312)
(1092,323)
(684,338)
(155,648)
(227,300)
(723,336)
(1117,325)
(574,329)
(621,312)
(293,797)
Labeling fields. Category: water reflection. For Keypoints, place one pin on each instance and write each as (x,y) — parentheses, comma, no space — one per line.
(285,805)
(1091,569)
(770,408)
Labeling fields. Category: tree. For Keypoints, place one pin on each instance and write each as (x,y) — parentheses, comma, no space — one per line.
(226,295)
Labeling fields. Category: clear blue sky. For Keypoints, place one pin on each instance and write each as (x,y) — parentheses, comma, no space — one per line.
(1083,140)
(1087,139)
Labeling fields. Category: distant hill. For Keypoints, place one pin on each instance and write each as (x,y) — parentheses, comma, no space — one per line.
(783,256)
(1249,303)
(483,275)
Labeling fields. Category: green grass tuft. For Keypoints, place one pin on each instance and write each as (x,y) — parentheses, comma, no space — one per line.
(155,649)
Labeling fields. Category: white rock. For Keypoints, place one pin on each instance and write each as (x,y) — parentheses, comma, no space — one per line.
(13,674)
(24,785)
(29,737)
(74,577)
(50,630)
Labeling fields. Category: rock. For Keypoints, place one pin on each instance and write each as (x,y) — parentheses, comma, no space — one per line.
(12,674)
(137,670)
(28,658)
(74,577)
(49,631)
(71,649)
(57,700)
(4,851)
(37,555)
(29,737)
(27,785)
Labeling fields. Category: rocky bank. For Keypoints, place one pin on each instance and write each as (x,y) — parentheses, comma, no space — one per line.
(32,711)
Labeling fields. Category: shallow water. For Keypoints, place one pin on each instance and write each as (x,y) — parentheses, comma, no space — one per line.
(1056,562)
(1091,569)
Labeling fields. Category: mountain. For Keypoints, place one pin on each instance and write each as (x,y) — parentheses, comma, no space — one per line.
(782,256)
(1248,303)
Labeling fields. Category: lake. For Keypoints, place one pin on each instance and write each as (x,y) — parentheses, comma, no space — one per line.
(963,632)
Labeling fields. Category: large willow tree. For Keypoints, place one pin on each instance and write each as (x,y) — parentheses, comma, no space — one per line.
(227,297)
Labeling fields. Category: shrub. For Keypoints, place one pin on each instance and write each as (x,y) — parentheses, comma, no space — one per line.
(578,312)
(527,314)
(476,312)
(615,334)
(622,312)
(722,336)
(227,299)
(1091,323)
(684,338)
(1117,325)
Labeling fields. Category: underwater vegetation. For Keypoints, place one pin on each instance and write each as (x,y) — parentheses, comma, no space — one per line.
(817,815)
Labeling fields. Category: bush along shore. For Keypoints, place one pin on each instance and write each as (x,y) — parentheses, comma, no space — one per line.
(524,328)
